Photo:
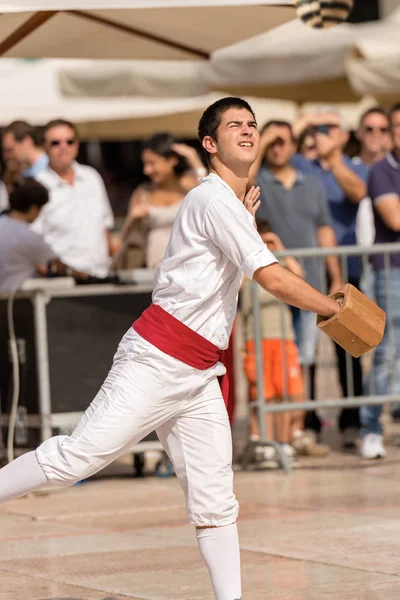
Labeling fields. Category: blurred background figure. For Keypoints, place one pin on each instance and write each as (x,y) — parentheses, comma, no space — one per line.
(345,186)
(26,142)
(296,206)
(173,169)
(283,380)
(373,135)
(76,221)
(384,191)
(23,253)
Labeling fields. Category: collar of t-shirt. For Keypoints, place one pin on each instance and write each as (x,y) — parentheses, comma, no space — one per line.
(393,160)
(54,180)
(40,165)
(269,177)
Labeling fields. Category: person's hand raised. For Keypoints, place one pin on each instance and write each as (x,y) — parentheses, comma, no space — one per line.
(251,201)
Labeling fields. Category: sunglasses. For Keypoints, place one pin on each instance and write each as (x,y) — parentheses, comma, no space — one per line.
(69,142)
(370,129)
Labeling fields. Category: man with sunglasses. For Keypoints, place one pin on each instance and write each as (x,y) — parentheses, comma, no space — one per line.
(384,191)
(345,186)
(373,134)
(76,220)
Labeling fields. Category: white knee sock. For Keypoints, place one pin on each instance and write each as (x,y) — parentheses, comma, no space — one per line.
(21,476)
(219,547)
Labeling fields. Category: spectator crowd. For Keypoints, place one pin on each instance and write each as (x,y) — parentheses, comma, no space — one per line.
(56,219)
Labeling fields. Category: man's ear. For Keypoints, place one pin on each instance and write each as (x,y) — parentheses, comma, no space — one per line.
(209,144)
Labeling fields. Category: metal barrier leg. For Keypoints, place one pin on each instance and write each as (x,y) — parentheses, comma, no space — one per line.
(42,363)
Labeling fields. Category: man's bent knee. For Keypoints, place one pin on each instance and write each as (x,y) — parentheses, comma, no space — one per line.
(63,463)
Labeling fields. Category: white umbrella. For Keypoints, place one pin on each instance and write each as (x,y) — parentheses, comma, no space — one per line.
(29,90)
(151,29)
(373,64)
(291,61)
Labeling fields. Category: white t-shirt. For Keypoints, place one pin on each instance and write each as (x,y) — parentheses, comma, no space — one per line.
(212,244)
(75,220)
(365,222)
(21,251)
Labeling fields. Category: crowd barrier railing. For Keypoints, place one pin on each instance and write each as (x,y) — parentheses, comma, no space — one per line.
(392,339)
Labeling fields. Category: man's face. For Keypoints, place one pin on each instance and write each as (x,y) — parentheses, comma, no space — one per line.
(8,150)
(282,148)
(62,146)
(395,129)
(374,134)
(23,149)
(330,125)
(237,139)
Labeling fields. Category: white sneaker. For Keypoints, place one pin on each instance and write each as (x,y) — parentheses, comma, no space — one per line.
(288,450)
(372,446)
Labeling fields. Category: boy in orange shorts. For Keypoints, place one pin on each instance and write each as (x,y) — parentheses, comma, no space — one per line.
(282,370)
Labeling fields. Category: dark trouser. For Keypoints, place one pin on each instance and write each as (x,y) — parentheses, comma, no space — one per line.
(349,417)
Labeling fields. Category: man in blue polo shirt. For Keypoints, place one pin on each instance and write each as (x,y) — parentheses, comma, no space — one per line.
(26,142)
(384,191)
(345,186)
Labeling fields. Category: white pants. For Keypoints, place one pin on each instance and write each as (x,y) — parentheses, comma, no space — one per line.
(147,390)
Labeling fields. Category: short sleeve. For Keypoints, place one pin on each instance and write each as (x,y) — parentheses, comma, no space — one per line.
(379,183)
(230,227)
(39,253)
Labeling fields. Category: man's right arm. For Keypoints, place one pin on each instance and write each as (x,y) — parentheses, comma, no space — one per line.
(295,291)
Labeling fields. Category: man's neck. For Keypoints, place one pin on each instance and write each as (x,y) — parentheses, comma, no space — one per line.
(370,158)
(238,181)
(285,174)
(35,155)
(18,216)
(67,173)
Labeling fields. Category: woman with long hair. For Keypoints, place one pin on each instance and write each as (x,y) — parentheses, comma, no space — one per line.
(173,169)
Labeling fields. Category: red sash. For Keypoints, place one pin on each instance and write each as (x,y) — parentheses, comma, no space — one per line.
(172,337)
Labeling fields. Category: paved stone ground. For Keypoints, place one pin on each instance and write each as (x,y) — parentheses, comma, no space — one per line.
(329,530)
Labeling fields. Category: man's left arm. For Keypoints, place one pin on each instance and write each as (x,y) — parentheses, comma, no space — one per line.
(326,239)
(353,185)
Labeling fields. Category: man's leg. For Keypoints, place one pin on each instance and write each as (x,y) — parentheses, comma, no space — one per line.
(199,443)
(306,333)
(349,418)
(128,406)
(385,363)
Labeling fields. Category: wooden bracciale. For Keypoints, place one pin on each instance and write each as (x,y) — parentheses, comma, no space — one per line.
(360,324)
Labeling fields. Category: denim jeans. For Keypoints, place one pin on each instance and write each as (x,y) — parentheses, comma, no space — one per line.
(386,363)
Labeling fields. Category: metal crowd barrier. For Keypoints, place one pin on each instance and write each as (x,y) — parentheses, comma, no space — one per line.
(370,399)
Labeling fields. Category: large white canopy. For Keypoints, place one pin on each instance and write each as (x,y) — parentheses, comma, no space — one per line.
(291,61)
(373,65)
(29,90)
(150,29)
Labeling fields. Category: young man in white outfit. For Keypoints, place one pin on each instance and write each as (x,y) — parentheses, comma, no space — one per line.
(213,242)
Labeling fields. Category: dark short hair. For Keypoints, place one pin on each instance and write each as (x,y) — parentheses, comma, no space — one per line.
(22,130)
(278,123)
(375,110)
(26,193)
(161,144)
(212,116)
(60,123)
(395,108)
(263,226)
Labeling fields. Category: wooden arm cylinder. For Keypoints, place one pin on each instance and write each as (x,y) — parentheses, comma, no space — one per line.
(360,324)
